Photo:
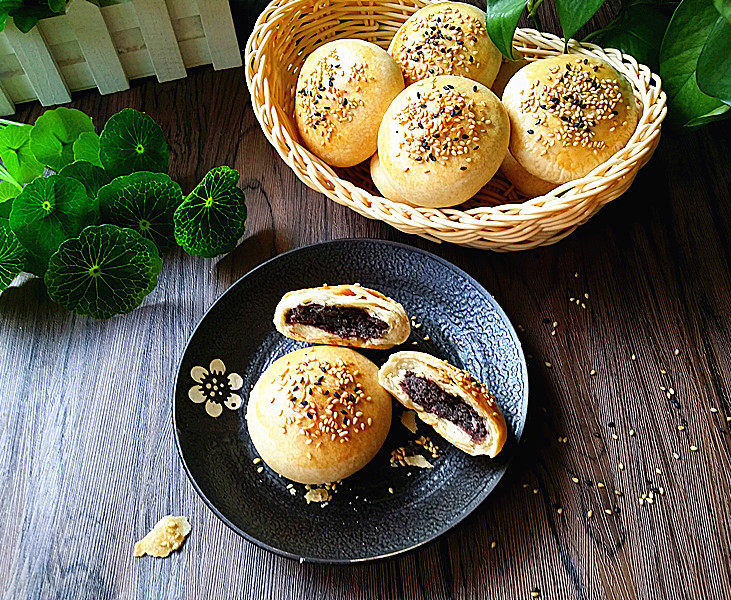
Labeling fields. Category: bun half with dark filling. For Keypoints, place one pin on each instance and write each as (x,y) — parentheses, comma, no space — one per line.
(342,315)
(452,401)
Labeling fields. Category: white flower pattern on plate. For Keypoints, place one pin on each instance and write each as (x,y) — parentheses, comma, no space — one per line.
(215,388)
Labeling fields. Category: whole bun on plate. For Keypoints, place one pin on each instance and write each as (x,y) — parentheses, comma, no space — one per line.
(318,414)
(446,38)
(440,141)
(342,91)
(568,114)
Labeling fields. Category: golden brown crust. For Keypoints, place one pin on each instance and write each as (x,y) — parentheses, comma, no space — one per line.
(318,414)
(453,381)
(446,38)
(373,302)
(523,180)
(343,89)
(508,68)
(568,114)
(441,140)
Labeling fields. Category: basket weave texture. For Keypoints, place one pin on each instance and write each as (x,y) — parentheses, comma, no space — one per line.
(498,217)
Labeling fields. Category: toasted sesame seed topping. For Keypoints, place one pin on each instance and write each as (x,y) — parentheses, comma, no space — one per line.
(438,124)
(440,45)
(576,100)
(323,98)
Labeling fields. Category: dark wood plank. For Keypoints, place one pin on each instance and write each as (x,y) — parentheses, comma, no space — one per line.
(87,457)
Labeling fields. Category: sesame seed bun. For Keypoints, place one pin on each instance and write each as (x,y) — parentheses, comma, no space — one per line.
(508,68)
(440,141)
(568,114)
(342,91)
(476,404)
(526,183)
(446,38)
(382,181)
(296,439)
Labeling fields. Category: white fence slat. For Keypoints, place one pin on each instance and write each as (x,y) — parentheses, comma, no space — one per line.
(97,46)
(39,66)
(157,31)
(218,26)
(7,106)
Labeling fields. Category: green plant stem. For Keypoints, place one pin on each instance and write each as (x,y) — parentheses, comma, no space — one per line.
(5,176)
(533,13)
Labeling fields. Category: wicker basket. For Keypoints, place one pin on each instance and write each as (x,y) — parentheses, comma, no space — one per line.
(497,218)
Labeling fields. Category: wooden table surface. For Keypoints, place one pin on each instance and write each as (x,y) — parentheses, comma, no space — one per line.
(87,454)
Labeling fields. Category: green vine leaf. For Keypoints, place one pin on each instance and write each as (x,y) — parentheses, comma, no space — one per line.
(681,47)
(16,153)
(724,8)
(12,256)
(144,202)
(638,30)
(131,141)
(48,211)
(212,218)
(713,72)
(91,176)
(105,271)
(87,148)
(501,19)
(54,133)
(573,14)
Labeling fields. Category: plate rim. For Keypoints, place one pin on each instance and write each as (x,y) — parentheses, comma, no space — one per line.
(475,503)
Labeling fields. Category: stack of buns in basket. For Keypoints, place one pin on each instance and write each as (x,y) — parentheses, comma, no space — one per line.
(426,114)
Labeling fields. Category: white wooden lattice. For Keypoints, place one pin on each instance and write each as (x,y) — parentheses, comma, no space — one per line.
(103,48)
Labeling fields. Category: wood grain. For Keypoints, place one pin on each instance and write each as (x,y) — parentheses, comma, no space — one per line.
(87,455)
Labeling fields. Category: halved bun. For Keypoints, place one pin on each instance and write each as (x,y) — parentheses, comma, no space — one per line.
(343,315)
(447,398)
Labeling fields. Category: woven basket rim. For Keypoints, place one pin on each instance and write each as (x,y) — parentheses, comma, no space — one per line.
(446,222)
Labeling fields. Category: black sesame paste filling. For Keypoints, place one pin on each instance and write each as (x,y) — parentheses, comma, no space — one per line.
(433,399)
(343,321)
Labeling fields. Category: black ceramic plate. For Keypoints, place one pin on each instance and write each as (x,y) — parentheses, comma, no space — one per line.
(364,520)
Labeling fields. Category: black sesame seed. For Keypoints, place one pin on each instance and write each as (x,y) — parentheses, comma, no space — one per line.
(530,131)
(463,168)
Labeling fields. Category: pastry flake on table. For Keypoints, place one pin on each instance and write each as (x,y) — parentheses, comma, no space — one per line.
(167,536)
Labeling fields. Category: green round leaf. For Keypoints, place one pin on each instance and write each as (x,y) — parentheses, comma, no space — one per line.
(48,211)
(87,148)
(52,137)
(12,256)
(6,206)
(91,176)
(16,154)
(212,218)
(104,272)
(145,202)
(132,141)
(7,191)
